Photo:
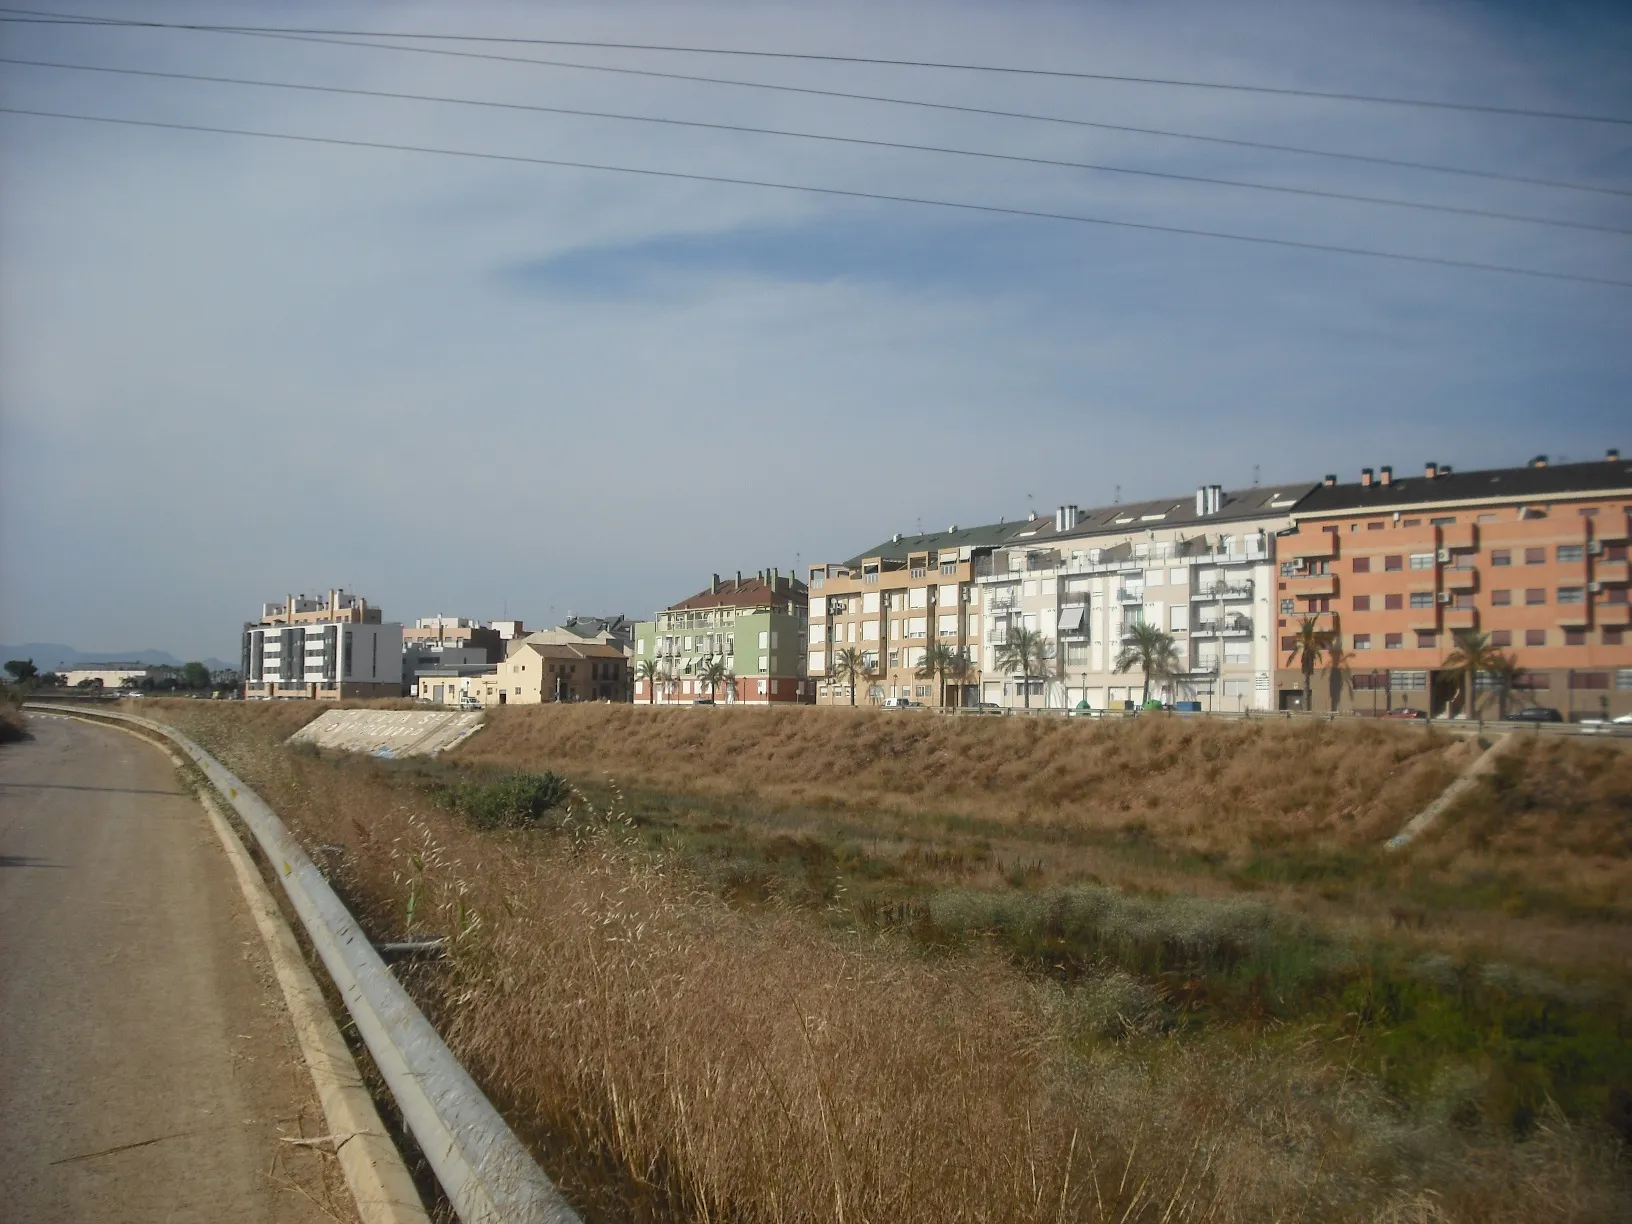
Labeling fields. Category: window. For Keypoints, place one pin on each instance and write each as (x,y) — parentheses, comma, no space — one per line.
(1575,637)
(1362,641)
(1464,599)
(1589,511)
(1393,641)
(1237,651)
(1287,607)
(1362,603)
(1572,595)
(1393,603)
(764,639)
(1289,643)
(895,658)
(1501,599)
(1422,599)
(1614,552)
(1572,552)
(764,662)
(1393,562)
(1501,637)
(1447,521)
(1623,678)
(1410,522)
(1408,681)
(1422,561)
(1178,617)
(1589,680)
(1535,637)
(1535,556)
(1501,556)
(1612,637)
(1535,595)
(1426,639)
(1362,565)
(1375,525)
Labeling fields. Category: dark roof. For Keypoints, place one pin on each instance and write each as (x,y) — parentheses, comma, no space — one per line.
(589,626)
(1260,501)
(750,592)
(898,548)
(1517,483)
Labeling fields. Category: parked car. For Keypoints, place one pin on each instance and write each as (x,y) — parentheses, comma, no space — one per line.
(1625,720)
(902,703)
(1540,714)
(1403,712)
(703,701)
(986,707)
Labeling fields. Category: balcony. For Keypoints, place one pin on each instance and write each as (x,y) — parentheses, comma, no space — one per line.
(1130,595)
(1458,536)
(1611,528)
(1311,584)
(1461,618)
(1425,619)
(1222,591)
(1460,579)
(1574,615)
(1321,544)
(1612,616)
(1231,626)
(1613,573)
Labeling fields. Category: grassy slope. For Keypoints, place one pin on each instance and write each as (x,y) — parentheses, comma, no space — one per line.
(708,1061)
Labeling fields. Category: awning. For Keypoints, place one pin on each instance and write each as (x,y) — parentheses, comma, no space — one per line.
(1071,619)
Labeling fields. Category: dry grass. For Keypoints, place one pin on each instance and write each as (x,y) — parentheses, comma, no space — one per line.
(675,1058)
(12,724)
(1206,785)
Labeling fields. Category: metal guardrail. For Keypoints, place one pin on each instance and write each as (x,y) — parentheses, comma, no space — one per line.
(482,1167)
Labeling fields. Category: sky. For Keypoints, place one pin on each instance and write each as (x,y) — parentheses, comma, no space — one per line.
(232,368)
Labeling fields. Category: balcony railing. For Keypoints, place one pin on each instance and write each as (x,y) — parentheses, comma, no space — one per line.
(1225,590)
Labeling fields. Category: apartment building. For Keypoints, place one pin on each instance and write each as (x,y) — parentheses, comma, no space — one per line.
(321,649)
(433,635)
(1201,568)
(756,626)
(1535,556)
(892,602)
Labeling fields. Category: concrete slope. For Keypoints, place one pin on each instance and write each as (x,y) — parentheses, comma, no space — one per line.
(388,733)
(148,1068)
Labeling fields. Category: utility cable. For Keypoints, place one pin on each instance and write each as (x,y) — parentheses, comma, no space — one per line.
(1173,82)
(1206,180)
(1300,150)
(841,192)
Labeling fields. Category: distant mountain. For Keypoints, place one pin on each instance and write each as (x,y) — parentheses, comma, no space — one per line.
(54,656)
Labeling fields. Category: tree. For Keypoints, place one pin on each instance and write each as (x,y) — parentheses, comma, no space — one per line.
(1503,668)
(939,660)
(196,676)
(1473,654)
(850,665)
(1308,644)
(712,673)
(22,669)
(1024,653)
(648,671)
(1151,651)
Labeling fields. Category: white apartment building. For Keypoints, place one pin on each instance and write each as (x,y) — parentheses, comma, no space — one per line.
(1203,569)
(322,649)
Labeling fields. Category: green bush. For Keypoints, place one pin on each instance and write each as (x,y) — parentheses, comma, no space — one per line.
(515,800)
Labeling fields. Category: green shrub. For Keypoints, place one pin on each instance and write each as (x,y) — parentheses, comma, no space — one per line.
(515,800)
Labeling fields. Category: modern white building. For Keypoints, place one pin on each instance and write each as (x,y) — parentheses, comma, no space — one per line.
(322,649)
(1202,569)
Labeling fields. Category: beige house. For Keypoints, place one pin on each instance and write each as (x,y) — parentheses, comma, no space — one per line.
(536,672)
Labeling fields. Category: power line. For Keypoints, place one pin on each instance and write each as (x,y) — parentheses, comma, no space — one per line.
(846,193)
(1206,180)
(1301,150)
(1172,82)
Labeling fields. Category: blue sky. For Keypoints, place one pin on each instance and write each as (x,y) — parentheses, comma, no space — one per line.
(231,368)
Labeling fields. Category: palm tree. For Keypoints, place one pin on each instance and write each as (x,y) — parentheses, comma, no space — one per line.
(1337,670)
(1308,644)
(939,659)
(712,673)
(1473,654)
(851,665)
(1503,668)
(1024,652)
(648,671)
(1151,651)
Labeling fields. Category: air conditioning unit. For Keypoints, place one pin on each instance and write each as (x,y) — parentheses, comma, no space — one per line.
(1595,547)
(1444,556)
(1595,587)
(1444,597)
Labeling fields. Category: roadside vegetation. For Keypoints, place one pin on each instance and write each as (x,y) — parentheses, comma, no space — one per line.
(825,964)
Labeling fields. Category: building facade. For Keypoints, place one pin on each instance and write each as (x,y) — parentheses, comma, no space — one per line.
(893,602)
(321,649)
(1201,569)
(755,626)
(433,635)
(537,672)
(1535,557)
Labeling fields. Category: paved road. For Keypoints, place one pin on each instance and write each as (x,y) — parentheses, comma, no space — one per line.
(148,1070)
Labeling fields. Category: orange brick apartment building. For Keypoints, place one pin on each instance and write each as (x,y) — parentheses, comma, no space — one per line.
(1534,556)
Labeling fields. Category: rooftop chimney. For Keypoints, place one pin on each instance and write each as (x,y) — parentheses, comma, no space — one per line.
(1215,498)
(739,580)
(1331,479)
(1386,475)
(1431,469)
(1444,469)
(1201,500)
(1612,455)
(714,587)
(1540,461)
(1365,478)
